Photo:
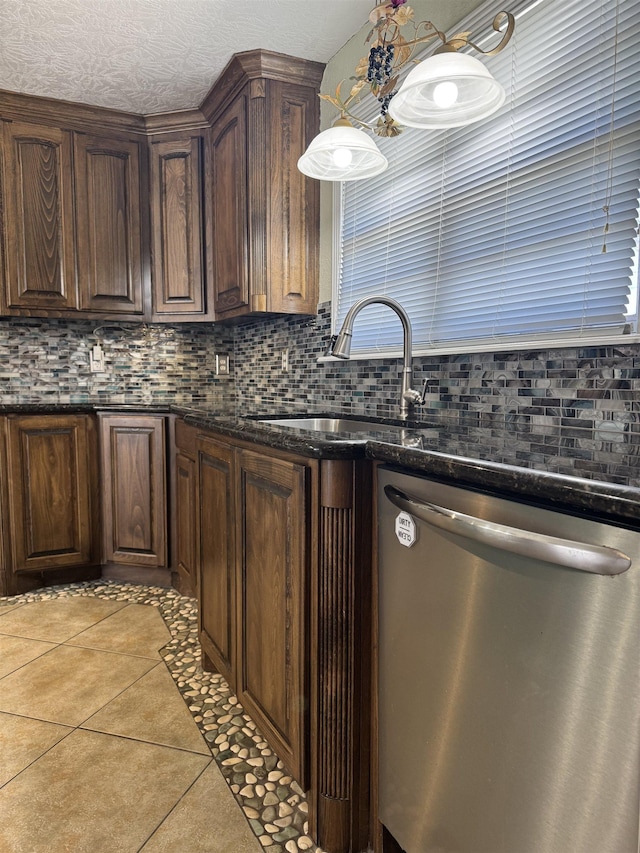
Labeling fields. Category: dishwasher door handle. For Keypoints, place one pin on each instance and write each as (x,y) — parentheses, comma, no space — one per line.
(596,559)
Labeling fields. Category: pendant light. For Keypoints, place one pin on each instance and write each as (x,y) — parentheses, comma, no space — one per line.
(342,153)
(448,89)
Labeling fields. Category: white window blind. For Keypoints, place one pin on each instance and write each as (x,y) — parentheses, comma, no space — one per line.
(492,235)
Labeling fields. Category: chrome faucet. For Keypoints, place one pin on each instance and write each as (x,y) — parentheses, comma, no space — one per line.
(342,347)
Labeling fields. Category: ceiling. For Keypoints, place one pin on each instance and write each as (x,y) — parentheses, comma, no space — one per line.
(150,56)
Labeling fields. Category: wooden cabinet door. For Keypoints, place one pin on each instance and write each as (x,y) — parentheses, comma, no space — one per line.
(177,227)
(134,489)
(38,218)
(294,201)
(216,575)
(264,213)
(49,492)
(272,555)
(229,208)
(108,216)
(185,509)
(6,585)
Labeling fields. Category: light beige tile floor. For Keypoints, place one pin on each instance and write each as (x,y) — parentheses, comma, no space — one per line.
(137,629)
(58,619)
(5,608)
(16,651)
(98,751)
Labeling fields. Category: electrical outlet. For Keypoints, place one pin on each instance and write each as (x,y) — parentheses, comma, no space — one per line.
(222,365)
(285,360)
(96,359)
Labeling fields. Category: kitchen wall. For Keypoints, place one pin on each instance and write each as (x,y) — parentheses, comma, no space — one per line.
(573,411)
(48,361)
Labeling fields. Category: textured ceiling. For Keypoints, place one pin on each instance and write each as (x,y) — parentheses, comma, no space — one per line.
(148,56)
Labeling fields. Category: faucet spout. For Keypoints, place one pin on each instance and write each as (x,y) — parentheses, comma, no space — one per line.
(342,346)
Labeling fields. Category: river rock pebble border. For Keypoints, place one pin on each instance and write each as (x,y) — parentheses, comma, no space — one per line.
(273,803)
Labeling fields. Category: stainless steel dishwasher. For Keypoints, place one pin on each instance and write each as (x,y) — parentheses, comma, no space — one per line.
(509,675)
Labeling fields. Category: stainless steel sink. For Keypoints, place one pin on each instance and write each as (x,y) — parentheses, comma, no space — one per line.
(321,424)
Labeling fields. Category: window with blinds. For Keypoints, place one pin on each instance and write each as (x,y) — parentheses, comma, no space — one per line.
(520,230)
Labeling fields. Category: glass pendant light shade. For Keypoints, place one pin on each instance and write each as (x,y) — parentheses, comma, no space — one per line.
(342,153)
(448,89)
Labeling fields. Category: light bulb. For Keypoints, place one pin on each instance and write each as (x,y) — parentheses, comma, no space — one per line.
(445,94)
(342,157)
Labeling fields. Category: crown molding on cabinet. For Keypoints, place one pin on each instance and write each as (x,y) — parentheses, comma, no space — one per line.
(258,64)
(183,121)
(250,65)
(79,117)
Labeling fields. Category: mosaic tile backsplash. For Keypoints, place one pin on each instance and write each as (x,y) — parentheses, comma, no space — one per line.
(574,411)
(48,361)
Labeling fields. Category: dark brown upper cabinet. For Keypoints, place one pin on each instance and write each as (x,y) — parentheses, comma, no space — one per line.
(108,208)
(263,212)
(183,217)
(229,208)
(177,229)
(38,218)
(72,222)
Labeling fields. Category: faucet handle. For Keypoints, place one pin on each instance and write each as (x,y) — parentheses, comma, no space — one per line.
(332,340)
(425,388)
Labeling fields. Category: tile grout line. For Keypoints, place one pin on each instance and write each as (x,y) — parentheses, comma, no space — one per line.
(175,806)
(72,729)
(113,698)
(54,646)
(133,739)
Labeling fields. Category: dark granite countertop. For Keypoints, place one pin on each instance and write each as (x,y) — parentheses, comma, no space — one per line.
(44,408)
(316,445)
(476,458)
(594,498)
(479,458)
(79,408)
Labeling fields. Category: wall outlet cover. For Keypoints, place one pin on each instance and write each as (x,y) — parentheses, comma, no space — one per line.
(96,359)
(222,365)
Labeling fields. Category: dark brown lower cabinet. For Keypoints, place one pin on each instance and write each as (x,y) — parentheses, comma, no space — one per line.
(53,516)
(253,587)
(6,576)
(284,566)
(185,513)
(134,483)
(51,506)
(217,579)
(272,557)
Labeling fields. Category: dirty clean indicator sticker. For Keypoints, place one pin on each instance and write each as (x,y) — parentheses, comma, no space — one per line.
(405,529)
